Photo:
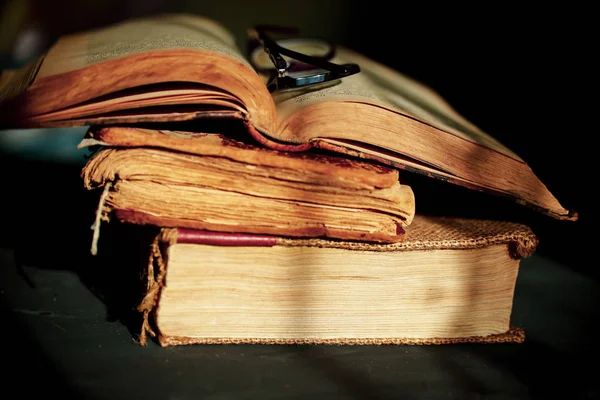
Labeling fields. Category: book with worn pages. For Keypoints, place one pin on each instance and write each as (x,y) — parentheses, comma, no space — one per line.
(183,67)
(451,280)
(213,182)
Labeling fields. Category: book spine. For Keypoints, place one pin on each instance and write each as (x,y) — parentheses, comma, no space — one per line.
(196,236)
(270,143)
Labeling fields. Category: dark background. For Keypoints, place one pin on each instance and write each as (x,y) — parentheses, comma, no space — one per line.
(522,73)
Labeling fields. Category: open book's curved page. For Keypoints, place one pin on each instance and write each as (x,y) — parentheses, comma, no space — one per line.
(138,36)
(384,87)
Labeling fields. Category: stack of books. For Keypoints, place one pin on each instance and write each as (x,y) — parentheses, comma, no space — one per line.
(288,221)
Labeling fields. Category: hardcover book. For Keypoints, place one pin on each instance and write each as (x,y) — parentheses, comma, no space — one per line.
(451,280)
(183,67)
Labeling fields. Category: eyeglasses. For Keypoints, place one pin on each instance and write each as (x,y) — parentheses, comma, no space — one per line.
(306,60)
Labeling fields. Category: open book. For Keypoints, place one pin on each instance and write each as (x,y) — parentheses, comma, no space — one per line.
(182,67)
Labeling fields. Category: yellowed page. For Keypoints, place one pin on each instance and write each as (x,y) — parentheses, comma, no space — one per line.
(13,82)
(141,35)
(145,99)
(381,86)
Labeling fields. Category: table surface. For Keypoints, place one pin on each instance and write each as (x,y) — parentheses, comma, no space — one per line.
(59,335)
(63,334)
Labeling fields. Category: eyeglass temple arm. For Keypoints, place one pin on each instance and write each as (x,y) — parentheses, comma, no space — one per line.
(259,33)
(273,50)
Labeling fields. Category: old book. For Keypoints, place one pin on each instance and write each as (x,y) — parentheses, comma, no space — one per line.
(209,181)
(451,280)
(182,67)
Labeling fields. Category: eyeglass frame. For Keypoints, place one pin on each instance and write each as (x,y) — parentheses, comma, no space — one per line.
(280,80)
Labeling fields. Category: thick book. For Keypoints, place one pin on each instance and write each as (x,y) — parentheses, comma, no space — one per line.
(451,281)
(210,181)
(183,67)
